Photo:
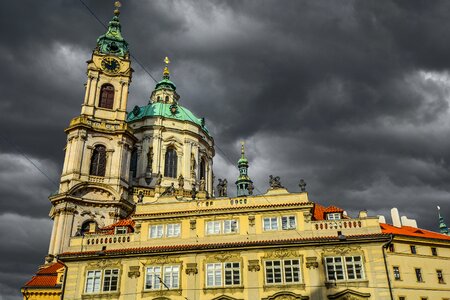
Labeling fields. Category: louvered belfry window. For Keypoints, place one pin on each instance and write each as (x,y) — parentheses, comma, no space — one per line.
(107,96)
(98,161)
(170,167)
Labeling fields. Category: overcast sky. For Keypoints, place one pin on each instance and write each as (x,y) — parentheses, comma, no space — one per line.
(352,96)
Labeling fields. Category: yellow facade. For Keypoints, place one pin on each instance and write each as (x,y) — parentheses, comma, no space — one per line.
(137,216)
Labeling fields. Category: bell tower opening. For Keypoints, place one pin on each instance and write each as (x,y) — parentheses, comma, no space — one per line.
(106,96)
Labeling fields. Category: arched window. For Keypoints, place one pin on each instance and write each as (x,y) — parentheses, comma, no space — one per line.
(133,163)
(107,96)
(203,168)
(98,161)
(167,99)
(170,166)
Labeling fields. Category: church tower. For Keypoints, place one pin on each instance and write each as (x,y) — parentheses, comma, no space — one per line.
(243,183)
(94,183)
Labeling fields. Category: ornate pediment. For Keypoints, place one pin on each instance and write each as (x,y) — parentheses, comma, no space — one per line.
(286,296)
(282,253)
(342,250)
(349,295)
(105,263)
(223,257)
(224,297)
(162,260)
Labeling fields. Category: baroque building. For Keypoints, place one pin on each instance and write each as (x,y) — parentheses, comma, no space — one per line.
(137,215)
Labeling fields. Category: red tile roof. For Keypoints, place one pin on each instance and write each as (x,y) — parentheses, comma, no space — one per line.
(46,277)
(110,229)
(320,211)
(412,231)
(169,248)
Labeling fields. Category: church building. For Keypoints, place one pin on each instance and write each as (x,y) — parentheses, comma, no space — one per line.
(138,215)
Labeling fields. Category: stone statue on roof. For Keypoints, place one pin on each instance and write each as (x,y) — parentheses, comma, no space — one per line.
(275,182)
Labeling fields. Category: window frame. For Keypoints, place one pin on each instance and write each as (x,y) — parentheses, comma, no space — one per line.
(440,276)
(279,266)
(413,249)
(333,216)
(396,272)
(419,275)
(171,163)
(107,97)
(120,228)
(98,161)
(162,230)
(101,276)
(343,263)
(217,271)
(159,281)
(275,223)
(217,227)
(434,251)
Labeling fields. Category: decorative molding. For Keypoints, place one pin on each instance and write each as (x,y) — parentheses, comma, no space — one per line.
(349,295)
(282,253)
(286,296)
(193,224)
(341,249)
(307,216)
(223,257)
(311,262)
(251,220)
(103,263)
(224,297)
(253,265)
(134,272)
(162,260)
(191,269)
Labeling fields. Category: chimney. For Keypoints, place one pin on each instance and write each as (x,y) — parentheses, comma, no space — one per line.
(408,222)
(381,219)
(395,218)
(362,214)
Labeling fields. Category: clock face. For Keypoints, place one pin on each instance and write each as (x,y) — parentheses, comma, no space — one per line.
(110,64)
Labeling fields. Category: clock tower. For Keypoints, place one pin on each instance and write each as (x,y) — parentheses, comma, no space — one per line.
(94,183)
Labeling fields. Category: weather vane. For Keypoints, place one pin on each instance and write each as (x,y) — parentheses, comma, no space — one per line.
(166,60)
(166,72)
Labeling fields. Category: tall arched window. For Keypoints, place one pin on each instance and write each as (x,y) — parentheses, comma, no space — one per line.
(133,163)
(106,96)
(170,166)
(98,161)
(202,168)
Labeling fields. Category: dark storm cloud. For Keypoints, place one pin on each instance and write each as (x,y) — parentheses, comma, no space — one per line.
(351,95)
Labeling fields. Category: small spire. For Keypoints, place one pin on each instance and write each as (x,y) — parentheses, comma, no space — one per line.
(242,149)
(442,226)
(166,72)
(112,41)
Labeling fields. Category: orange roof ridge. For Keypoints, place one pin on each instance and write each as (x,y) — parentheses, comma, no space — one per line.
(412,231)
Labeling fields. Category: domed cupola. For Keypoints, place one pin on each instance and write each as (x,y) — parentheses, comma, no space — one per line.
(175,149)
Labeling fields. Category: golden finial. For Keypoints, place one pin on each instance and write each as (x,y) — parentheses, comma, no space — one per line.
(166,72)
(117,5)
(242,148)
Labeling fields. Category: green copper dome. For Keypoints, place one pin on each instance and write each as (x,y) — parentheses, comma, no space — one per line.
(166,110)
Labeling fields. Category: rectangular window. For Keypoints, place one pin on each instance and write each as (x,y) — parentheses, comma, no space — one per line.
(110,280)
(413,249)
(232,273)
(354,267)
(270,223)
(344,268)
(440,276)
(93,279)
(173,230)
(282,271)
(335,268)
(292,271)
(172,276)
(434,251)
(391,247)
(401,298)
(288,222)
(223,274)
(333,216)
(213,227)
(121,230)
(230,226)
(396,273)
(419,275)
(273,271)
(156,231)
(153,278)
(214,274)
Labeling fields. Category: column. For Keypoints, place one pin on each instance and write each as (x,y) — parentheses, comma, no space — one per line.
(52,237)
(57,247)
